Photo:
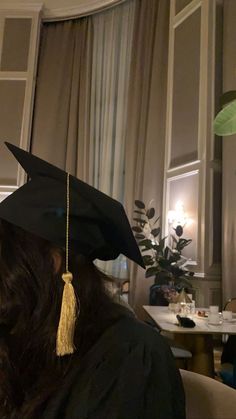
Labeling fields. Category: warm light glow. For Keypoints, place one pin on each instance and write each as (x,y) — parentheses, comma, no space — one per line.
(178,216)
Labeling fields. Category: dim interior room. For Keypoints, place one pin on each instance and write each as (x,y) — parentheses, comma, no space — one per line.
(123,95)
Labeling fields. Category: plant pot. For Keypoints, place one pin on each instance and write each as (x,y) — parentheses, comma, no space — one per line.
(161,295)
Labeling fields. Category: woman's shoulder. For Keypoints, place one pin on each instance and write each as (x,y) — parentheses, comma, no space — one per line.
(123,373)
(127,331)
(125,334)
(128,327)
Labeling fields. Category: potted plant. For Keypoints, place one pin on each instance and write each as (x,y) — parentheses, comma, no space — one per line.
(163,261)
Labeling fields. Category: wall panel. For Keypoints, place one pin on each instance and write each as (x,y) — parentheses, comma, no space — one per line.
(192,157)
(19,35)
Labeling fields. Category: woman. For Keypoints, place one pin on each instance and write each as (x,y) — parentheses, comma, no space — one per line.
(117,367)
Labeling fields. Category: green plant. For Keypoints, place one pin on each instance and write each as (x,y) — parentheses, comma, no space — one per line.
(164,262)
(225,120)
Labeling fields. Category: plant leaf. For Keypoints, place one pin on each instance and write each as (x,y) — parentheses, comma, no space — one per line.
(182,243)
(148,261)
(140,212)
(182,281)
(150,213)
(162,243)
(137,229)
(139,236)
(151,271)
(156,231)
(227,97)
(147,243)
(179,230)
(225,121)
(147,257)
(139,204)
(139,220)
(167,253)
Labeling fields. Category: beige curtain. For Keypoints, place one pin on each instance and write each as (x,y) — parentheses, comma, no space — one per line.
(81,96)
(80,114)
(145,136)
(61,123)
(100,106)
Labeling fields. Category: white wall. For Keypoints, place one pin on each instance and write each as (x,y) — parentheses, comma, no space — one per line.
(229,157)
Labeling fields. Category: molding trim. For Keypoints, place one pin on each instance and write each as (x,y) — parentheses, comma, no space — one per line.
(195,260)
(191,166)
(183,175)
(33,12)
(22,6)
(5,191)
(83,9)
(7,188)
(205,165)
(186,12)
(204,277)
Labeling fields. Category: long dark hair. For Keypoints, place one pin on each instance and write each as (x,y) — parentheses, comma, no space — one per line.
(30,301)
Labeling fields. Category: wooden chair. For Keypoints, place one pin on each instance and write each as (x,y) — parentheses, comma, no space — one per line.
(231,305)
(207,398)
(179,352)
(228,357)
(156,296)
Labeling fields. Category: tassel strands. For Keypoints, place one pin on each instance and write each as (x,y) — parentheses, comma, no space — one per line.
(66,327)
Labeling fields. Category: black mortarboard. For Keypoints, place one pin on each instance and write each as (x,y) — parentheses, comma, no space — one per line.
(73,215)
(99,228)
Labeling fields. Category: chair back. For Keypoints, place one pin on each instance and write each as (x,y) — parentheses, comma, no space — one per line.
(231,305)
(156,296)
(207,398)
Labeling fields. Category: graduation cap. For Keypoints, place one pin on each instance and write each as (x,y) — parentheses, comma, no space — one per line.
(69,213)
(99,228)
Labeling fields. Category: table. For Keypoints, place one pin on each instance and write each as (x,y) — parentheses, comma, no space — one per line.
(199,340)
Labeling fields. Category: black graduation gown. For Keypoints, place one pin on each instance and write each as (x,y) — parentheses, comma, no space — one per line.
(128,374)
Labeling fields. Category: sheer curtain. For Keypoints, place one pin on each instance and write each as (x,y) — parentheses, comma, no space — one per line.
(145,134)
(100,106)
(110,81)
(81,101)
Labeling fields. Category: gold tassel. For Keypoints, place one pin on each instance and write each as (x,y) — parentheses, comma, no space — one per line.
(66,327)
